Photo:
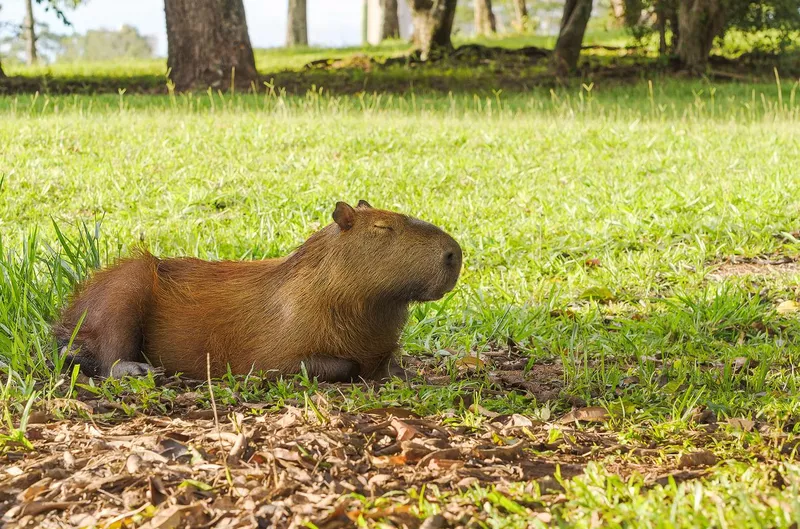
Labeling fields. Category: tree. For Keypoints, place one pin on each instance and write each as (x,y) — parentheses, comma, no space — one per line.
(570,37)
(48,44)
(30,33)
(700,22)
(694,24)
(520,14)
(297,30)
(28,27)
(105,44)
(433,23)
(390,23)
(208,44)
(485,22)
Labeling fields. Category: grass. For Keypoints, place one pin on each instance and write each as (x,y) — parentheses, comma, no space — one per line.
(628,194)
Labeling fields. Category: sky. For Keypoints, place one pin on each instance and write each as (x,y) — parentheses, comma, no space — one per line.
(330,22)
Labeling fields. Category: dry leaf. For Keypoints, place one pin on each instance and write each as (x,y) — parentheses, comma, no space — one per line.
(133,463)
(174,516)
(437,521)
(38,507)
(14,471)
(480,410)
(745,425)
(788,307)
(697,459)
(506,453)
(390,411)
(589,414)
(520,421)
(470,363)
(405,432)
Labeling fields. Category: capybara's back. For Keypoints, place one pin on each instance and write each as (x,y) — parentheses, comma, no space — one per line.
(337,305)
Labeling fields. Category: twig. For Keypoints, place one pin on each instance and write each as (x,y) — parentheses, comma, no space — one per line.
(216,420)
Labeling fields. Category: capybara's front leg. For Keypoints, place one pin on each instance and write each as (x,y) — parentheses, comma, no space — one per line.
(331,369)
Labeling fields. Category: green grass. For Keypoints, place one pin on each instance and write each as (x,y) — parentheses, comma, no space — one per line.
(657,183)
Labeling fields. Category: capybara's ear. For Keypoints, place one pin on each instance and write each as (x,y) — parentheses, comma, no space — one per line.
(344,215)
(363,204)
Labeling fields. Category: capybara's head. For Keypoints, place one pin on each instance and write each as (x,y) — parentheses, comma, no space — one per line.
(389,255)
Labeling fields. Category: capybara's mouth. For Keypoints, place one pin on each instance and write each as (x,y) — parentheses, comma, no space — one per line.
(437,292)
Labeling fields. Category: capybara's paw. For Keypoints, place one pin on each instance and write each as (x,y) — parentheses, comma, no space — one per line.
(130,369)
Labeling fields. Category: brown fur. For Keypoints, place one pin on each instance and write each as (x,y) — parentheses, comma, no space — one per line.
(344,294)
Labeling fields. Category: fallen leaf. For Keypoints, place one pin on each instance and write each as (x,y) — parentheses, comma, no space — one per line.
(38,507)
(599,293)
(704,416)
(157,491)
(592,263)
(390,411)
(589,414)
(788,307)
(701,458)
(437,521)
(471,363)
(174,516)
(133,463)
(445,454)
(745,425)
(480,410)
(742,362)
(39,417)
(14,471)
(389,461)
(506,453)
(404,431)
(520,421)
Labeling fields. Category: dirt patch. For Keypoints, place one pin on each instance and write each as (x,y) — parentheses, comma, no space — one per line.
(757,266)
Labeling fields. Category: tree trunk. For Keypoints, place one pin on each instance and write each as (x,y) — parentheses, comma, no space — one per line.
(390,23)
(433,23)
(520,15)
(618,11)
(485,23)
(2,73)
(30,34)
(699,23)
(297,30)
(570,37)
(672,16)
(208,44)
(661,24)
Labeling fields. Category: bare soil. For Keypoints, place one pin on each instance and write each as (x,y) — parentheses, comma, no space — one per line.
(757,266)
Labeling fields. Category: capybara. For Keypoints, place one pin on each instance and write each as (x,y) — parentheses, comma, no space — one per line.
(336,305)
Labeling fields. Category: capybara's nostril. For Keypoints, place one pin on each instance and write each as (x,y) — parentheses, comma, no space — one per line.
(452,257)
